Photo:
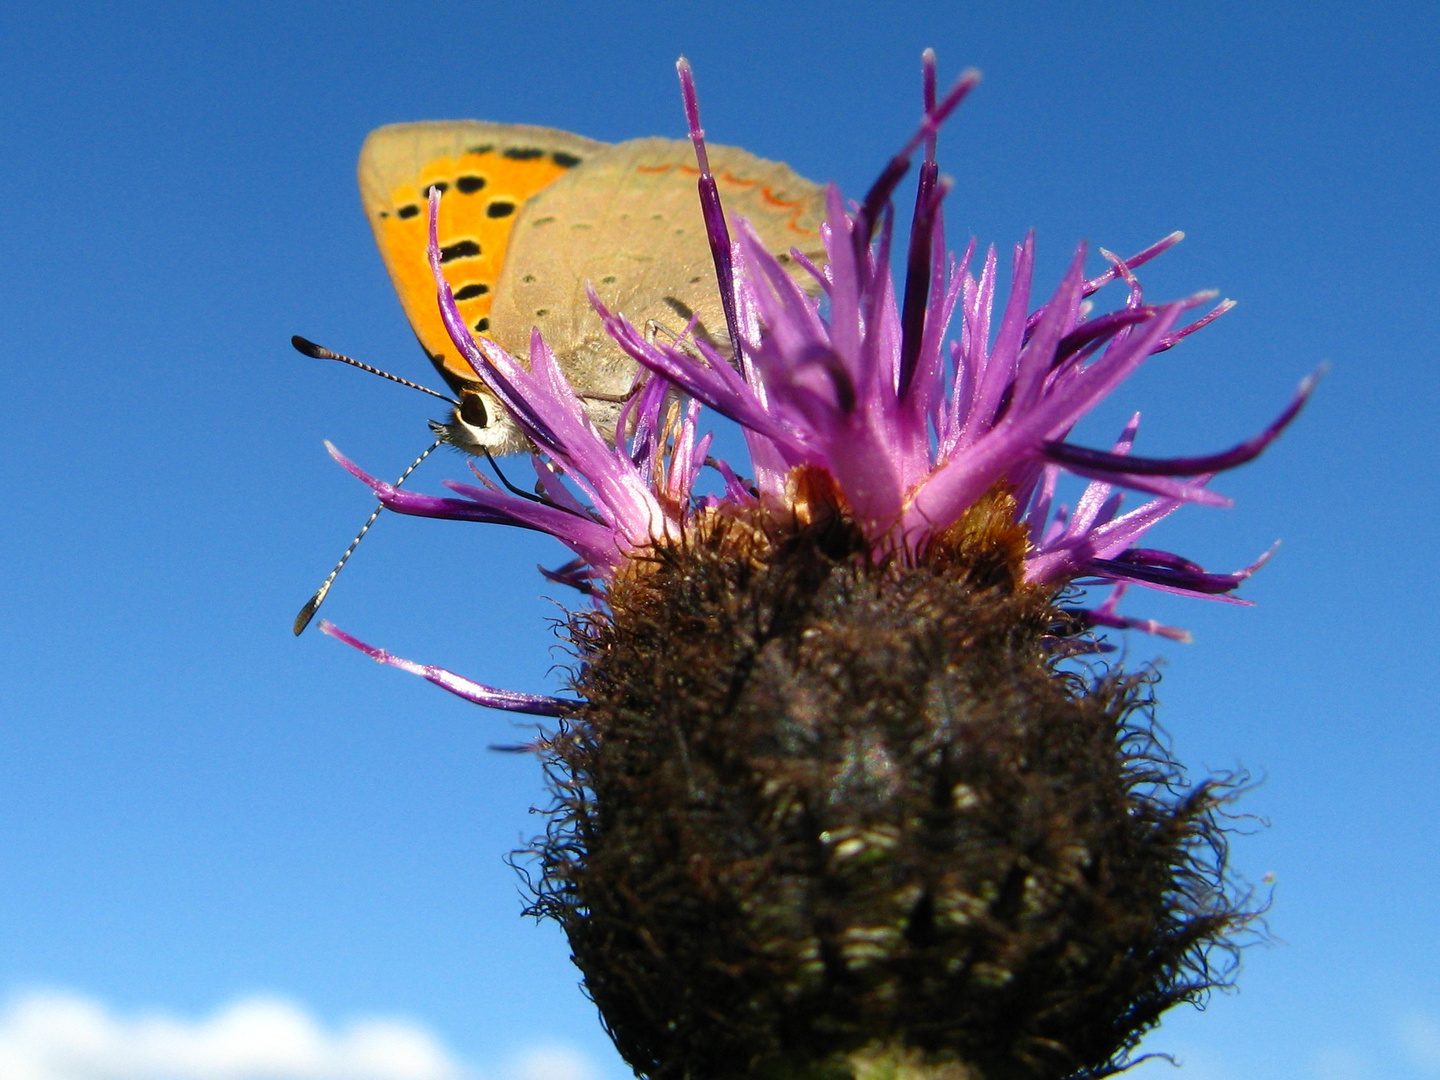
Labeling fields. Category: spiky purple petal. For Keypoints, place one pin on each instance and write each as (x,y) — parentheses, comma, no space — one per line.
(489,696)
(1088,462)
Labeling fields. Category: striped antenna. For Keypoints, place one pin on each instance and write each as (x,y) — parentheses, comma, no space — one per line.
(319,352)
(312,605)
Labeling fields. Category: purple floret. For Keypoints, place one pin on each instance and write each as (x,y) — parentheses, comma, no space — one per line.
(508,700)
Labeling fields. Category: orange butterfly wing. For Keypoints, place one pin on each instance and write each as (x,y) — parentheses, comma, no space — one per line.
(486,173)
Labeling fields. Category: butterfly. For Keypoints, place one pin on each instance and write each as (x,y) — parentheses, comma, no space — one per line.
(531,216)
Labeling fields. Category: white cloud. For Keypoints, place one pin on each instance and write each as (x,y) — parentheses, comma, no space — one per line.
(1420,1037)
(552,1063)
(61,1036)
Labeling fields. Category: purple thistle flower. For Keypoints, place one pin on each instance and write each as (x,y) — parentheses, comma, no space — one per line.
(824,799)
(913,425)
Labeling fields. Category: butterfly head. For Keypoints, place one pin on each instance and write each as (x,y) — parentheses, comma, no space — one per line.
(480,425)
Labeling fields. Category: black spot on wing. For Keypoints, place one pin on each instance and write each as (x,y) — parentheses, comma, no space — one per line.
(500,208)
(464,249)
(441,186)
(522,153)
(474,289)
(481,325)
(698,330)
(675,304)
(409,210)
(564,160)
(483,148)
(468,185)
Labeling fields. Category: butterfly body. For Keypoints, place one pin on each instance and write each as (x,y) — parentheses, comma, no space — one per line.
(529,217)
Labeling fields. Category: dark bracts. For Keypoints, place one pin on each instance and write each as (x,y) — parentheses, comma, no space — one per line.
(819,813)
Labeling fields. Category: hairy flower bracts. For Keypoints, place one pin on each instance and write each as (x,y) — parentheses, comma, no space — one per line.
(828,802)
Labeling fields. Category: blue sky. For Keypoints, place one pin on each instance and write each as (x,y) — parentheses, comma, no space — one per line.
(204,819)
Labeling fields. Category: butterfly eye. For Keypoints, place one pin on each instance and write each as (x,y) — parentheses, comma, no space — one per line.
(472,411)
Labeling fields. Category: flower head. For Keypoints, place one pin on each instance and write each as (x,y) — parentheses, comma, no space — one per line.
(914,404)
(824,789)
